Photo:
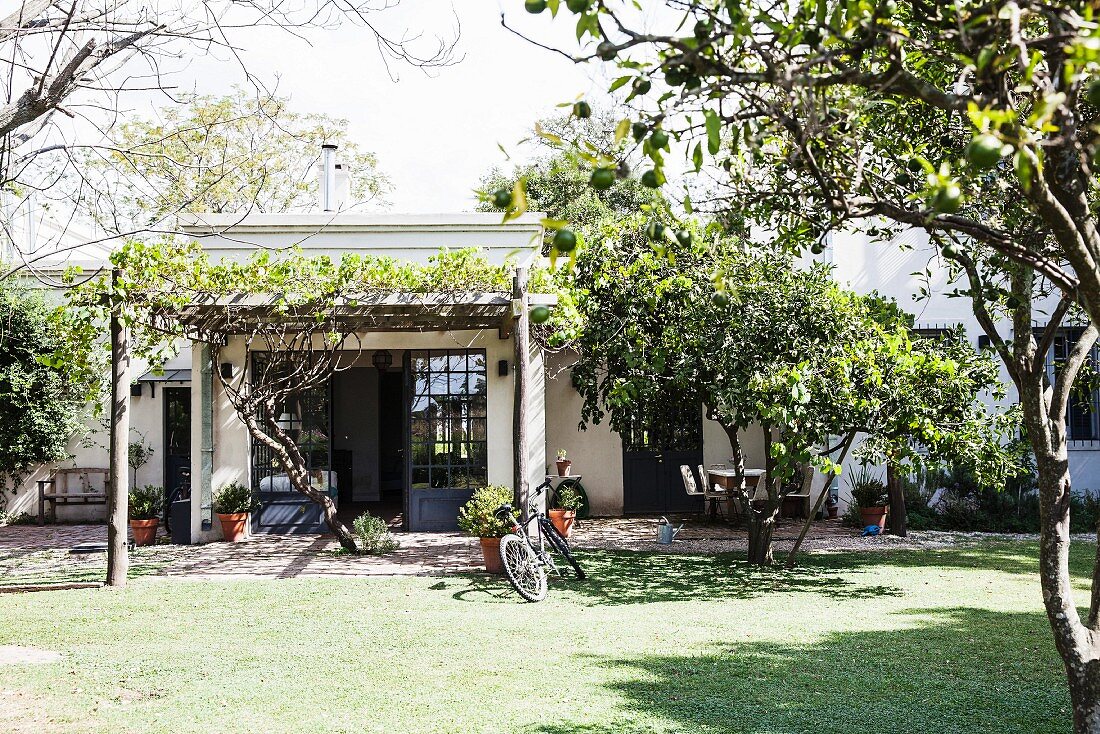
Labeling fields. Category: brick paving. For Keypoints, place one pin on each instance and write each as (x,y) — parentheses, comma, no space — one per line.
(31,554)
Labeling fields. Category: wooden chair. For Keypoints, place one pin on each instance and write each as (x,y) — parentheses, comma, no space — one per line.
(71,487)
(797,504)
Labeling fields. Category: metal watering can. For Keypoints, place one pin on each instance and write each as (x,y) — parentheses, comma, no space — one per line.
(666,533)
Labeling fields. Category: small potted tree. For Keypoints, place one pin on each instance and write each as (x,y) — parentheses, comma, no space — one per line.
(565,466)
(870,496)
(567,500)
(478,518)
(232,503)
(146,503)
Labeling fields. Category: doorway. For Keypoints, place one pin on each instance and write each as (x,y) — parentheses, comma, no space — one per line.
(652,456)
(177,443)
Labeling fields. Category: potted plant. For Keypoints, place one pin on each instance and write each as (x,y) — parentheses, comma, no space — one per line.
(232,503)
(870,496)
(146,503)
(478,518)
(564,465)
(567,500)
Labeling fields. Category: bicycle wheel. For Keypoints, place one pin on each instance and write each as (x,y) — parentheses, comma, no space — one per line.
(522,567)
(561,545)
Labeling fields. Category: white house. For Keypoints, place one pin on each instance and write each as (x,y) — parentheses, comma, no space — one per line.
(372,430)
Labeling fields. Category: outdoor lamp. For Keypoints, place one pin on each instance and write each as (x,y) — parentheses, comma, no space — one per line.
(382,359)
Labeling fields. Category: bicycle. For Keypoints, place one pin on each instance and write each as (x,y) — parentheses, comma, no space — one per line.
(526,565)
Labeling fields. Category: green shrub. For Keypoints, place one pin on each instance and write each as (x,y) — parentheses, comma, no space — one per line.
(477,517)
(146,503)
(233,498)
(868,490)
(374,535)
(568,498)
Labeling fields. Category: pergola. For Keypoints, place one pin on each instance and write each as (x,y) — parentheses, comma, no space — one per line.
(215,320)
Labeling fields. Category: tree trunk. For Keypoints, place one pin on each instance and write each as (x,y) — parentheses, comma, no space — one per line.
(291,461)
(899,521)
(118,490)
(761,526)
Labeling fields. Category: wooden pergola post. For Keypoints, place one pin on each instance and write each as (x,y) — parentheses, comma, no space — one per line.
(118,488)
(520,486)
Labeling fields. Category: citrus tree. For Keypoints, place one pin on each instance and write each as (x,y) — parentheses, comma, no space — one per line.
(974,121)
(761,342)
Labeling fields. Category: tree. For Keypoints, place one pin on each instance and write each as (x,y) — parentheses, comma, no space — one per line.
(236,153)
(975,121)
(41,403)
(775,346)
(74,68)
(300,312)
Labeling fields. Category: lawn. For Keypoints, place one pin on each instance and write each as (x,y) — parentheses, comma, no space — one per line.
(930,641)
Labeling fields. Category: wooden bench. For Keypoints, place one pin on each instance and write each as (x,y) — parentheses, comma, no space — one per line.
(71,487)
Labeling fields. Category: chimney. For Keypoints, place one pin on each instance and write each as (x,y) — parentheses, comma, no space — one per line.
(333,181)
(328,177)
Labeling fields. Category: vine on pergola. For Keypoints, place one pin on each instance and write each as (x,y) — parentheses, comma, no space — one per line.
(299,309)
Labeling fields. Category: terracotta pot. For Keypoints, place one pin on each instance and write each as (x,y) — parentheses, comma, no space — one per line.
(833,511)
(144,531)
(874,515)
(564,468)
(490,551)
(563,520)
(234,526)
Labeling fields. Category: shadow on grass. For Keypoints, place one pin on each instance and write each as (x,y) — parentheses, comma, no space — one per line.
(954,670)
(639,578)
(60,568)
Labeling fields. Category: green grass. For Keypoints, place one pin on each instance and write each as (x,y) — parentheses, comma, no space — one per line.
(930,641)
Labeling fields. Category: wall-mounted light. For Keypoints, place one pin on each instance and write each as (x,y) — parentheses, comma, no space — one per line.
(135,389)
(502,368)
(382,359)
(227,370)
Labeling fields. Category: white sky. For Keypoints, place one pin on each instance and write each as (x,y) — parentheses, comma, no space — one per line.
(434,136)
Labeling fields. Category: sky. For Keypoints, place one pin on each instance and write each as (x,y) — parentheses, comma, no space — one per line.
(434,135)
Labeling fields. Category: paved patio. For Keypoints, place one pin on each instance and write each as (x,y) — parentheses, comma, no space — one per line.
(32,554)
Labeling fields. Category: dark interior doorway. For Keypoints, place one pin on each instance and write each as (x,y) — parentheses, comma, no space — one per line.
(652,456)
(177,443)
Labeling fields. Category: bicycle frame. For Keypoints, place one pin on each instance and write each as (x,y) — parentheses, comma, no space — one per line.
(520,528)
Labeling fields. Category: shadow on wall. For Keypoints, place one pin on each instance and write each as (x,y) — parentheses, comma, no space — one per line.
(957,670)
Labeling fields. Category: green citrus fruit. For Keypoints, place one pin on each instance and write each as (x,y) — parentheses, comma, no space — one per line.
(606,50)
(1092,93)
(720,299)
(502,198)
(914,165)
(582,109)
(535,6)
(655,231)
(639,130)
(817,248)
(950,251)
(539,314)
(811,37)
(947,199)
(1014,302)
(889,8)
(983,152)
(683,237)
(675,76)
(702,29)
(659,139)
(577,6)
(602,179)
(651,179)
(642,85)
(565,241)
(903,179)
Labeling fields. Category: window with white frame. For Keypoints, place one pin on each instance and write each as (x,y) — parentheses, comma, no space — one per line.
(1083,413)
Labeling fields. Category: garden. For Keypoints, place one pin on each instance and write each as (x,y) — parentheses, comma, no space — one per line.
(650,643)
